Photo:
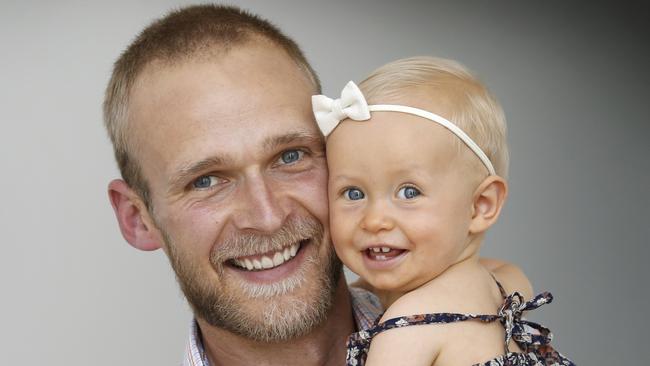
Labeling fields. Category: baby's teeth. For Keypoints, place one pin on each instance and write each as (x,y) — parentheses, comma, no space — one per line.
(257,264)
(267,262)
(385,249)
(278,259)
(376,250)
(286,254)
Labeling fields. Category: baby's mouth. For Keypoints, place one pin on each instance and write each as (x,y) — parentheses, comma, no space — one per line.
(383,253)
(267,260)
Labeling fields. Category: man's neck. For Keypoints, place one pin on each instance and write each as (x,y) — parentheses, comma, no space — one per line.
(325,345)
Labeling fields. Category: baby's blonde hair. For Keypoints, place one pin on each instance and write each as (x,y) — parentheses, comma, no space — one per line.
(474,109)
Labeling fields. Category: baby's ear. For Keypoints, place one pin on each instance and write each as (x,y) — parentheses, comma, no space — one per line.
(488,200)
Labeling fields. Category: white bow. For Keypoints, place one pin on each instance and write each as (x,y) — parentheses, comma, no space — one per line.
(329,112)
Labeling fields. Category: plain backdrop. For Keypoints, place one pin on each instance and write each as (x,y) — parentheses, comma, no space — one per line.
(572,77)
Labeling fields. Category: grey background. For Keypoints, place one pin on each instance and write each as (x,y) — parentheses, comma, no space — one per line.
(573,79)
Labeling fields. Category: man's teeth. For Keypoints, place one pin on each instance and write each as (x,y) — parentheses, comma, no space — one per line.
(272,260)
(256,264)
(380,249)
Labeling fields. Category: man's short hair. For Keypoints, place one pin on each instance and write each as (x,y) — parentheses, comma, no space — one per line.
(474,109)
(195,31)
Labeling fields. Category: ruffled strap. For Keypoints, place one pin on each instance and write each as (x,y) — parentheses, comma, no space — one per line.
(527,334)
(359,342)
(519,330)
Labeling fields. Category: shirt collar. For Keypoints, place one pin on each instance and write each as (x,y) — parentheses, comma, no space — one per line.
(194,354)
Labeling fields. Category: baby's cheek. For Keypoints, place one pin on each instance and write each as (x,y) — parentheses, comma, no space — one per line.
(342,233)
(337,227)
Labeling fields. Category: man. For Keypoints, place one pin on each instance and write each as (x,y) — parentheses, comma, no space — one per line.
(223,168)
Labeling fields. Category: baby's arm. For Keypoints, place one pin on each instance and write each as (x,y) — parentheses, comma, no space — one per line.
(411,346)
(512,278)
(415,345)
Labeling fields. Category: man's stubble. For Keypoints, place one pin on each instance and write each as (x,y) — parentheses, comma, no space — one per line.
(265,313)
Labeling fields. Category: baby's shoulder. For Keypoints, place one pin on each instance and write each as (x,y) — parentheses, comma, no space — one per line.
(512,278)
(442,297)
(400,328)
(416,308)
(418,301)
(434,319)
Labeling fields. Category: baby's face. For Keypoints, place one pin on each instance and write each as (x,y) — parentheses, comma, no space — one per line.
(400,199)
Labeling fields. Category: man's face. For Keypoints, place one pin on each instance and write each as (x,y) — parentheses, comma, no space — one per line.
(237,175)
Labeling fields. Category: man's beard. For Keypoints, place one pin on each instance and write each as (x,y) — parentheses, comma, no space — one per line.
(273,312)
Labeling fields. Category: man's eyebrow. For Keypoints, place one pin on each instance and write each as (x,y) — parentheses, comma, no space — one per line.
(274,142)
(188,171)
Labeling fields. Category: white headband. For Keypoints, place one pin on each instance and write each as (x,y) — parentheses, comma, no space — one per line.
(352,104)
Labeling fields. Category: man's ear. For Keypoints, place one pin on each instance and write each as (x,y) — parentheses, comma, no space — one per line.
(133,217)
(488,200)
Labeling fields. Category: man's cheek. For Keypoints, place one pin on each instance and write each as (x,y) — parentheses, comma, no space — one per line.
(194,229)
(312,192)
(317,191)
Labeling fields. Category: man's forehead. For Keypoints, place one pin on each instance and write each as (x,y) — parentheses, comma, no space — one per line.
(245,74)
(187,111)
(259,55)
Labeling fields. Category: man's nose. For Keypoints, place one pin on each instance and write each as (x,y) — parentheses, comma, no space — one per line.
(377,217)
(259,206)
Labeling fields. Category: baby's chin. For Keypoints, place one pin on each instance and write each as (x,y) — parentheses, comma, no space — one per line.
(386,292)
(390,283)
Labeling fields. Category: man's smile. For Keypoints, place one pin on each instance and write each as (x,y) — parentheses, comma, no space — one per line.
(267,260)
(273,267)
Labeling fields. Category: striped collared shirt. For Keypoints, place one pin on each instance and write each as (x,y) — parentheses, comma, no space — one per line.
(365,308)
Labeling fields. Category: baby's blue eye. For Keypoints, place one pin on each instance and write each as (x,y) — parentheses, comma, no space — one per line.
(353,194)
(204,181)
(408,192)
(291,156)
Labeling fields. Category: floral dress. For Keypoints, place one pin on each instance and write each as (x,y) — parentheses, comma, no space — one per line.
(534,339)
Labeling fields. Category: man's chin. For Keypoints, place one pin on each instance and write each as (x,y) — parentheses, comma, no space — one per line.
(266,302)
(274,304)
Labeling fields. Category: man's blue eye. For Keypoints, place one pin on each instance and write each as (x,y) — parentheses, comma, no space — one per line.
(354,194)
(291,156)
(205,181)
(408,193)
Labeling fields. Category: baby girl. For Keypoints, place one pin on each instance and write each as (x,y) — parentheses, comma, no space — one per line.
(418,165)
